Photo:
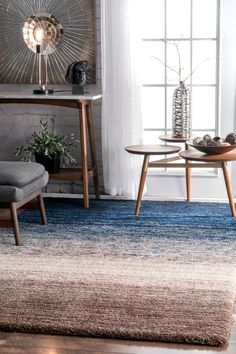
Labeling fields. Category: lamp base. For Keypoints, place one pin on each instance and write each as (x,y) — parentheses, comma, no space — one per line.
(43,91)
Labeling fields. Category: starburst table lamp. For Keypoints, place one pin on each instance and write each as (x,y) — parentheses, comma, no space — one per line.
(42,33)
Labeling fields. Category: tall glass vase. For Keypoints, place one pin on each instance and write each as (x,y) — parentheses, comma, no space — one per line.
(181,113)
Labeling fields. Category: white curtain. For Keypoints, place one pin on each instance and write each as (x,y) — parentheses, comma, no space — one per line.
(121,107)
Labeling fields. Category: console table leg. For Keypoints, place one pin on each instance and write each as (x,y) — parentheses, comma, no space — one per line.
(84,154)
(93,149)
(142,182)
(229,188)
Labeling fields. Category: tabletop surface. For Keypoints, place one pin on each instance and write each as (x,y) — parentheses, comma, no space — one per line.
(61,92)
(169,138)
(152,149)
(194,155)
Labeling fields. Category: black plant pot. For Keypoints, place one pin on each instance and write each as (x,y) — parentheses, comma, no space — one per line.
(51,165)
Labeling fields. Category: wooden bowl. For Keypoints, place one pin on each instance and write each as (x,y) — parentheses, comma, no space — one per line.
(213,150)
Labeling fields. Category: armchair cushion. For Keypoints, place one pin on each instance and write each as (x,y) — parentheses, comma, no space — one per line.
(19,174)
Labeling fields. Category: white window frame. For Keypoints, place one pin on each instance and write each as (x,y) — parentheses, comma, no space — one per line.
(166,85)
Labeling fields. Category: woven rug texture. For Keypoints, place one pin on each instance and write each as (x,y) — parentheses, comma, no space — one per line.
(167,275)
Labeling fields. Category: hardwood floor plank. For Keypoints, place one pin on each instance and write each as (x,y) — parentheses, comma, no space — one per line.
(26,343)
(141,350)
(4,335)
(31,350)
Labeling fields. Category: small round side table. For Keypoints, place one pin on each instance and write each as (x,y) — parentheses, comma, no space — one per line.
(168,138)
(147,151)
(222,159)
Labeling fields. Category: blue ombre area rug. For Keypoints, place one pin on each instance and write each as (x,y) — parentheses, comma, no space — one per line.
(167,275)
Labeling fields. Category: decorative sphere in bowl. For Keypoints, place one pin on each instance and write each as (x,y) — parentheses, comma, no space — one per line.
(211,146)
(231,138)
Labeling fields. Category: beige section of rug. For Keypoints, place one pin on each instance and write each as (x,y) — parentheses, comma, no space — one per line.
(125,297)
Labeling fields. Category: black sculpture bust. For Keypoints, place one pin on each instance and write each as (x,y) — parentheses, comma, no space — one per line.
(76,74)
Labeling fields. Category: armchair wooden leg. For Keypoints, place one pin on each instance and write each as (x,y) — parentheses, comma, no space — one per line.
(15,224)
(42,209)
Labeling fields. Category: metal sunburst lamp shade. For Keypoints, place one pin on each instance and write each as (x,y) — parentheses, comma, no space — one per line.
(42,33)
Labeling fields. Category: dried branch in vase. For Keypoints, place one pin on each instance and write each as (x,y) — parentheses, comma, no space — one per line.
(180,68)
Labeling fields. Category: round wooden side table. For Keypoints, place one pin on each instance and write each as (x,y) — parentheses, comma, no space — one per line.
(147,151)
(169,139)
(194,155)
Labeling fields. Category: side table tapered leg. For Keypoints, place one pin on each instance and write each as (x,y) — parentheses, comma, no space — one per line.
(188,176)
(188,179)
(229,188)
(142,182)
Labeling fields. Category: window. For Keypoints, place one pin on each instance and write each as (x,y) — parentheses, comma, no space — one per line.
(192,26)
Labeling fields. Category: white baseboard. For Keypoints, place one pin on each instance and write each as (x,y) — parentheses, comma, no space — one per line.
(153,198)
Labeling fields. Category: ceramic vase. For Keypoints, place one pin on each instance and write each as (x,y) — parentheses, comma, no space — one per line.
(181,112)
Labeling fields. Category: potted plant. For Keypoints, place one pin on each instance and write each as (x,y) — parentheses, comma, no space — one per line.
(48,148)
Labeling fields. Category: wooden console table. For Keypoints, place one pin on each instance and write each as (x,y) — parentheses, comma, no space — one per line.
(62,96)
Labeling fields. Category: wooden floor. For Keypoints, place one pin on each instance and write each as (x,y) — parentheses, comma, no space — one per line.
(19,343)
